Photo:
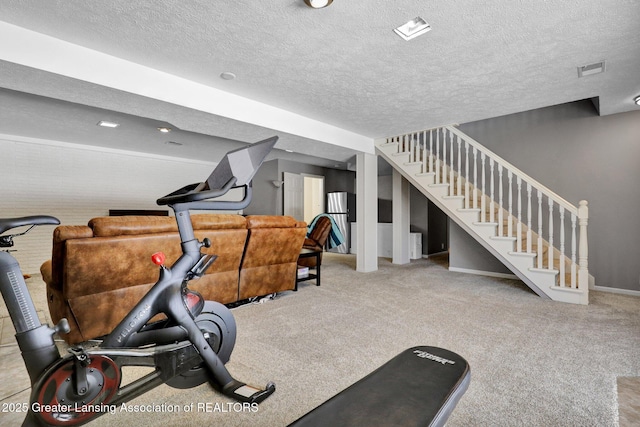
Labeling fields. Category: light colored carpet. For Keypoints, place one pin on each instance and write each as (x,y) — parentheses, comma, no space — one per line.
(533,362)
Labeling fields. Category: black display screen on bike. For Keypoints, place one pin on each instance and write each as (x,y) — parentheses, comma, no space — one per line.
(241,164)
(236,169)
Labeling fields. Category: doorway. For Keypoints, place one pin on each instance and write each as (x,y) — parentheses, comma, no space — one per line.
(303,196)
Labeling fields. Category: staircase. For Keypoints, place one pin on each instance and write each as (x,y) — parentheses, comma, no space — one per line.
(539,236)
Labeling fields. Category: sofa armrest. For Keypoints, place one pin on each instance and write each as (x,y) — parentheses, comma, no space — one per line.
(45,270)
(61,234)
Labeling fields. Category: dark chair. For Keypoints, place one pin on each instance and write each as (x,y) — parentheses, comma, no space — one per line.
(316,241)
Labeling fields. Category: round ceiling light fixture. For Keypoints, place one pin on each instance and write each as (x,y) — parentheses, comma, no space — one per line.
(318,4)
(637,100)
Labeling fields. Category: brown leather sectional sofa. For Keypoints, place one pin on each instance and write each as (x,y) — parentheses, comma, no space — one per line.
(99,272)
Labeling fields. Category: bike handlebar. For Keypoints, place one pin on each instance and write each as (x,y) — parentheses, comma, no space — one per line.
(9,223)
(195,193)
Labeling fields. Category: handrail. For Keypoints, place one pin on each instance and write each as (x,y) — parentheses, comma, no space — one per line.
(545,190)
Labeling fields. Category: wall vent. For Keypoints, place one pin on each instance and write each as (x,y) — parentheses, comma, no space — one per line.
(587,70)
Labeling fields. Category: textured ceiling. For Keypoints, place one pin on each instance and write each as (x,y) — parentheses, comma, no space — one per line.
(342,65)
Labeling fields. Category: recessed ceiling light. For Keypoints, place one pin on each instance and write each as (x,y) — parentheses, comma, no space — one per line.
(412,29)
(106,124)
(637,100)
(587,70)
(318,4)
(289,151)
(164,129)
(227,76)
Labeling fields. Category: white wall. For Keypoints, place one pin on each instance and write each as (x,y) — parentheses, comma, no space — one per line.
(76,183)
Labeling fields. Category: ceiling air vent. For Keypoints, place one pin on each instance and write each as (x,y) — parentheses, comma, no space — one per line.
(587,70)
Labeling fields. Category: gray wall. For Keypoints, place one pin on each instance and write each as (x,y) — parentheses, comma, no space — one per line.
(467,254)
(425,217)
(581,155)
(267,198)
(339,180)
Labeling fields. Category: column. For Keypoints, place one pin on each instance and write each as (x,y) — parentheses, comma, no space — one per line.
(400,211)
(367,212)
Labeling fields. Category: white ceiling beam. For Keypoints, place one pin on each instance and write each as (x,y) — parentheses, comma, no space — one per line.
(39,51)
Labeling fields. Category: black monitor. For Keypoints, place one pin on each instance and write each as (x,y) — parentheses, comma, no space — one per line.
(236,169)
(241,164)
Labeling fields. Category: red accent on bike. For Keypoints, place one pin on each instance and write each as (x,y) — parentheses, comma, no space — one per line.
(158,258)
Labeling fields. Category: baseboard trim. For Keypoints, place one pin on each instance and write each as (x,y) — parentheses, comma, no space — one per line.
(426,256)
(484,273)
(616,291)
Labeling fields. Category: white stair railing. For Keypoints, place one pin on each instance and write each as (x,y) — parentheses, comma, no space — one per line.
(464,166)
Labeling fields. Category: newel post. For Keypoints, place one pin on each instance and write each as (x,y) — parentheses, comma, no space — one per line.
(583,249)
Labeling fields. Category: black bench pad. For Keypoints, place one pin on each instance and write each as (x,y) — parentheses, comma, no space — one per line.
(418,387)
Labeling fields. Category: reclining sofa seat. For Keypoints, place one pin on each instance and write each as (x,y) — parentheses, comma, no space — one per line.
(316,240)
(99,272)
(270,256)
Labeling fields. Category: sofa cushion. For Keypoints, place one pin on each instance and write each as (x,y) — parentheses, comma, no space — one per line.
(271,221)
(217,222)
(108,226)
(271,252)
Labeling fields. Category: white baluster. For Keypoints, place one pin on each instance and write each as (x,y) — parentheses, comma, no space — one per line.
(519,224)
(451,171)
(467,196)
(459,189)
(500,210)
(431,150)
(483,201)
(437,156)
(444,156)
(425,164)
(539,229)
(573,250)
(475,177)
(562,278)
(510,212)
(550,253)
(529,233)
(491,205)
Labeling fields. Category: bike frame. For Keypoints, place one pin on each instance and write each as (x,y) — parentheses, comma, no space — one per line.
(176,346)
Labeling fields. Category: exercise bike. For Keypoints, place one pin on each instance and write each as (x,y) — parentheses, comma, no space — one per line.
(188,348)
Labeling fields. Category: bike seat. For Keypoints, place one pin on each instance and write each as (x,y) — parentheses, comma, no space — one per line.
(9,223)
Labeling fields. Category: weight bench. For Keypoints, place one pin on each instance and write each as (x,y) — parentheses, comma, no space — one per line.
(418,387)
